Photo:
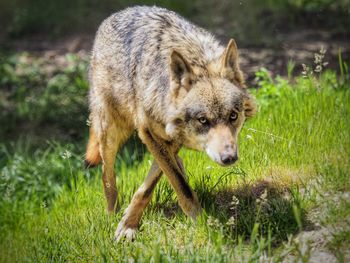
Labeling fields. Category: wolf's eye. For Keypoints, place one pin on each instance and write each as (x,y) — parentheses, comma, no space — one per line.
(233,116)
(203,120)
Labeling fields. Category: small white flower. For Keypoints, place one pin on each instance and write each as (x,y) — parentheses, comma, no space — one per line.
(66,154)
(318,68)
(234,203)
(231,221)
(213,222)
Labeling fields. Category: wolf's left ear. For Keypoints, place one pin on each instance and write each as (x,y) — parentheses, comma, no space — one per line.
(180,72)
(230,66)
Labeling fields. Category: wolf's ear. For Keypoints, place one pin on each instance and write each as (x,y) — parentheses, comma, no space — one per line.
(180,72)
(229,64)
(250,107)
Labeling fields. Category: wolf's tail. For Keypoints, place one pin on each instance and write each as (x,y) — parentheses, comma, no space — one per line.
(92,156)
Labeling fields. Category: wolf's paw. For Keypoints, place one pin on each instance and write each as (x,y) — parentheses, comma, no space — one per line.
(191,207)
(125,232)
(195,210)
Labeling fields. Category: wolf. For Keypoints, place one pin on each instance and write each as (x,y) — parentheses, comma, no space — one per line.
(153,72)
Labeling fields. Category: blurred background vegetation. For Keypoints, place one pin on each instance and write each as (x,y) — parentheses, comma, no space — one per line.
(252,22)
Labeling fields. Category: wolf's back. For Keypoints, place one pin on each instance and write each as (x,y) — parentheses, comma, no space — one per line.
(144,37)
(131,52)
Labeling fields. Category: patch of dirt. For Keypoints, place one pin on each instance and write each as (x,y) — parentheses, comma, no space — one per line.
(40,45)
(298,46)
(313,245)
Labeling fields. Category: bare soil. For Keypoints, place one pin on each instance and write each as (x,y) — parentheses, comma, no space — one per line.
(298,46)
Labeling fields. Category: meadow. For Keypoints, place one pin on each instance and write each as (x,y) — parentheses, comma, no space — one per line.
(287,199)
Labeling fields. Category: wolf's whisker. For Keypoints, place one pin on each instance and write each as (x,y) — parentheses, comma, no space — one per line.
(273,135)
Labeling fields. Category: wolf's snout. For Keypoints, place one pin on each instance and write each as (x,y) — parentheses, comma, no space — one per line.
(222,145)
(228,159)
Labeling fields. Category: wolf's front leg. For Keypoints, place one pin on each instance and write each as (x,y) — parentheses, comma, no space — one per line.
(170,164)
(128,225)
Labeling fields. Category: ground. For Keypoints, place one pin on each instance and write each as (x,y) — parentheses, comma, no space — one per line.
(298,46)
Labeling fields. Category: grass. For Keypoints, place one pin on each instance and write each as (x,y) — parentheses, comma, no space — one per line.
(46,97)
(293,175)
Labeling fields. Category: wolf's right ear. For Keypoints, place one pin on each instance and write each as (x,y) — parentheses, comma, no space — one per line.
(180,72)
(229,64)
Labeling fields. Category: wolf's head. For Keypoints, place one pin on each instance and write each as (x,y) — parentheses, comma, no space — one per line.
(209,105)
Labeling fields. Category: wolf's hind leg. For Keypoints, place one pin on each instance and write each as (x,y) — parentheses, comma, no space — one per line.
(132,215)
(110,140)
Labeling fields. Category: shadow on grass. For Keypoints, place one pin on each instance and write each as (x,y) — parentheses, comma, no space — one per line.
(272,207)
(275,209)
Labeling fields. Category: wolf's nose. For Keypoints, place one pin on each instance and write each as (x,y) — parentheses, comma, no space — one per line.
(228,159)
